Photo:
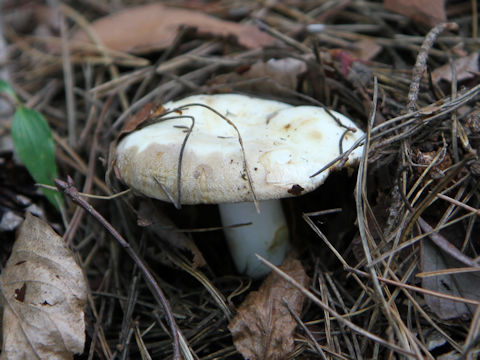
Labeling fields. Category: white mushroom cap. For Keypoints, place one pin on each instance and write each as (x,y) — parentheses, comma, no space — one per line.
(284,145)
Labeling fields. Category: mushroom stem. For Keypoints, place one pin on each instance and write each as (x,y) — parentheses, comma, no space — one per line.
(267,235)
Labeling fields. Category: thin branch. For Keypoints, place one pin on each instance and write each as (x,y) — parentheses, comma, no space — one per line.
(240,141)
(69,189)
(421,63)
(416,288)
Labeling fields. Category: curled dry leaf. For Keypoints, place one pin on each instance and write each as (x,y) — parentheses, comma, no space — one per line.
(429,12)
(284,71)
(263,327)
(274,76)
(146,114)
(366,49)
(466,67)
(155,26)
(44,293)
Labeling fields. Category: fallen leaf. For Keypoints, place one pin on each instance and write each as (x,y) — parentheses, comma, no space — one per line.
(284,71)
(274,75)
(429,12)
(155,26)
(366,49)
(44,293)
(146,114)
(465,68)
(263,327)
(466,284)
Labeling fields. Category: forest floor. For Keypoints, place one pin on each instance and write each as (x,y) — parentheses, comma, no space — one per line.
(384,256)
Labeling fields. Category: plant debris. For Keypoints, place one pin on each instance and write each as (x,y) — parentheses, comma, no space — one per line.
(263,327)
(463,285)
(155,26)
(464,68)
(391,250)
(44,295)
(429,12)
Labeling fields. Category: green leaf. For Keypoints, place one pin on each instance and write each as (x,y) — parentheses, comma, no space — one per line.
(6,88)
(33,142)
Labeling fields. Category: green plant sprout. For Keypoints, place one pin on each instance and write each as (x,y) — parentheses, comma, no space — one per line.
(33,142)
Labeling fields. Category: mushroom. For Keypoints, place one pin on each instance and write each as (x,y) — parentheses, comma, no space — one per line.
(237,151)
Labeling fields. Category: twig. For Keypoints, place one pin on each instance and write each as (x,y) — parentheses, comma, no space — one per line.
(474,19)
(459,203)
(69,84)
(180,162)
(69,189)
(382,129)
(430,198)
(200,277)
(162,89)
(360,196)
(471,342)
(455,123)
(285,38)
(83,23)
(421,63)
(240,141)
(90,173)
(417,289)
(178,201)
(97,331)
(74,160)
(304,327)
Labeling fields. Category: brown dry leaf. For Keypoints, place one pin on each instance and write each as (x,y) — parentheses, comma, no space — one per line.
(465,68)
(147,113)
(283,71)
(263,327)
(155,26)
(274,75)
(429,12)
(465,284)
(366,49)
(44,293)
